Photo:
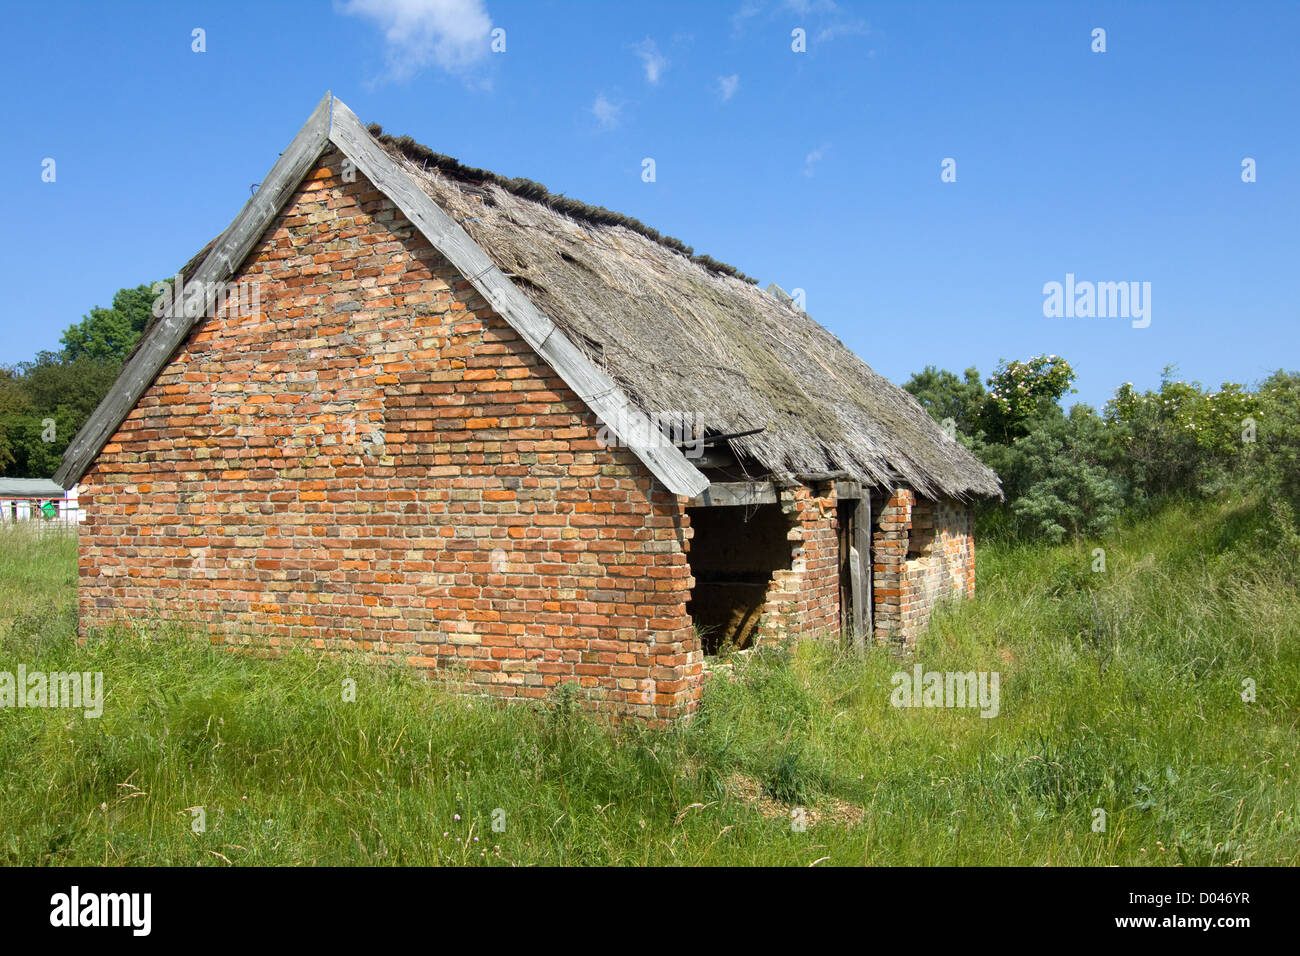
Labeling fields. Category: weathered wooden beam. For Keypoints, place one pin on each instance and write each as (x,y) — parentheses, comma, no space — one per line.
(816,477)
(714,456)
(864,612)
(174,327)
(596,388)
(859,597)
(723,494)
(848,490)
(333,122)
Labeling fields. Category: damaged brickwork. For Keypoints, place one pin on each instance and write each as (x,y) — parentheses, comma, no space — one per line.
(376,461)
(924,554)
(372,460)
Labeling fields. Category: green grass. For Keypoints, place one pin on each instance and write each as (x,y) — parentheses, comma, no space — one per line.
(1120,691)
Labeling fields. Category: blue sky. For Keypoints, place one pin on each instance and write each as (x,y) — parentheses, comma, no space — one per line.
(817,170)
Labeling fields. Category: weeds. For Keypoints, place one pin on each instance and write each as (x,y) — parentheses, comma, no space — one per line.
(1122,691)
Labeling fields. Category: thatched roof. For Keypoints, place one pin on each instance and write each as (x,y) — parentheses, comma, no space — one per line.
(687,334)
(675,331)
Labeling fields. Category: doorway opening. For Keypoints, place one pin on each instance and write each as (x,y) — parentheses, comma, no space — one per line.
(734,552)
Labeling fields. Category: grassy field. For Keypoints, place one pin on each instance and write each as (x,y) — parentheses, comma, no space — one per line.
(1120,691)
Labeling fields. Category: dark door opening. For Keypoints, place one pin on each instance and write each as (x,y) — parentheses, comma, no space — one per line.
(734,551)
(844,522)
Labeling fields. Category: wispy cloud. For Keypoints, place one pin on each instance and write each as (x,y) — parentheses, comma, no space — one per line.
(607,113)
(740,19)
(813,158)
(450,34)
(727,86)
(827,20)
(805,7)
(654,62)
(844,28)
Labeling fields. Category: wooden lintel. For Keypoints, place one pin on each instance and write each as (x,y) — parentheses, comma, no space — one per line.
(817,477)
(848,489)
(722,494)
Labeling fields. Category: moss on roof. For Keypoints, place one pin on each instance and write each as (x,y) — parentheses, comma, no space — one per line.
(679,335)
(536,192)
(683,332)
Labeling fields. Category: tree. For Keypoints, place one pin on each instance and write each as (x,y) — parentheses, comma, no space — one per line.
(1063,485)
(1020,391)
(1180,439)
(1053,467)
(110,334)
(945,396)
(1278,435)
(13,403)
(43,403)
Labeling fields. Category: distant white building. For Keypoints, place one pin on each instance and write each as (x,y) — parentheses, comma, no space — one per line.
(38,499)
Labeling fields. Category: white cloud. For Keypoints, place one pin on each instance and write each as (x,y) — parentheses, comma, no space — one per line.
(653,61)
(607,113)
(846,28)
(813,158)
(805,7)
(727,86)
(451,34)
(741,18)
(829,19)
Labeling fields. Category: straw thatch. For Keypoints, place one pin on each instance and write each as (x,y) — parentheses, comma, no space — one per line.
(684,333)
(687,334)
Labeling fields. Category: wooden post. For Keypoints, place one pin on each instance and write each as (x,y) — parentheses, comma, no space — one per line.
(864,612)
(859,600)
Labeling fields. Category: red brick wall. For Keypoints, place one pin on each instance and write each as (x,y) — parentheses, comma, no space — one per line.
(805,600)
(375,461)
(924,554)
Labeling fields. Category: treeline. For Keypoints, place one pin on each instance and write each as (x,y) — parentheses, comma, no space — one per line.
(1071,473)
(1064,473)
(44,402)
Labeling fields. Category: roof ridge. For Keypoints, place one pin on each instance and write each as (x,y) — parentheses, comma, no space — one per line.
(535,192)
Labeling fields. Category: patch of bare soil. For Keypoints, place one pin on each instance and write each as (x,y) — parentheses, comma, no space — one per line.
(749,791)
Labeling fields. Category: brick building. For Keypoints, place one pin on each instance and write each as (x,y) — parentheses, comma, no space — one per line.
(415,409)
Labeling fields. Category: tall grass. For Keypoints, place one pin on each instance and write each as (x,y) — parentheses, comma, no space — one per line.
(1121,692)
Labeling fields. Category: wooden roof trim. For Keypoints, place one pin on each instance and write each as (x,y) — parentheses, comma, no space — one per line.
(174,327)
(592,384)
(332,121)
